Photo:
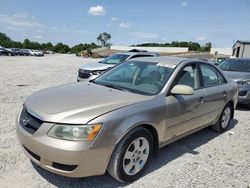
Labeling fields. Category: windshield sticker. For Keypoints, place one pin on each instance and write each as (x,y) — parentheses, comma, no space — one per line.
(166,65)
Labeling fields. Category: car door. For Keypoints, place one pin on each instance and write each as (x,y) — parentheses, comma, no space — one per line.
(184,113)
(216,91)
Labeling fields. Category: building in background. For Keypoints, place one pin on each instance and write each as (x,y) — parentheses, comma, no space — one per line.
(241,48)
(221,51)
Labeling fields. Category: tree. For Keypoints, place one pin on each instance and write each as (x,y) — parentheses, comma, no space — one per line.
(47,46)
(26,43)
(103,38)
(61,48)
(194,46)
(5,41)
(207,47)
(16,44)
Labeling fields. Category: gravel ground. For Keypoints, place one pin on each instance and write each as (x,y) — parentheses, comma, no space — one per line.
(204,159)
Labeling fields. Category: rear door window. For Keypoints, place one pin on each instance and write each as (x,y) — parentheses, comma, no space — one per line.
(211,77)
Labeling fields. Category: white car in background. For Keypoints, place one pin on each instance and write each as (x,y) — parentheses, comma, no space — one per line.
(90,71)
(36,53)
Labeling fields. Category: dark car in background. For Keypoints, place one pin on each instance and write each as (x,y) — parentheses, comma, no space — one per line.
(17,51)
(6,51)
(239,70)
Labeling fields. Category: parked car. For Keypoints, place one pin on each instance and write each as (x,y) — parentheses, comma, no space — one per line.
(118,121)
(48,52)
(6,51)
(238,69)
(92,70)
(36,53)
(26,52)
(17,51)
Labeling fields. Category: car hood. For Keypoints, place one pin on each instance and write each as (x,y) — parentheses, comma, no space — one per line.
(236,76)
(96,66)
(78,103)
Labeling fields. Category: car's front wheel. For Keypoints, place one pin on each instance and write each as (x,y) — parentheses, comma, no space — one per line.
(132,155)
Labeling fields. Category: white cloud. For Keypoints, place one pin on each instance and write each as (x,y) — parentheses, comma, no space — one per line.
(40,31)
(97,11)
(124,25)
(201,38)
(19,20)
(114,18)
(143,35)
(38,37)
(184,3)
(21,15)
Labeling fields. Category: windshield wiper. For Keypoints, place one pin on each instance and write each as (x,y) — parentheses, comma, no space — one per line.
(113,87)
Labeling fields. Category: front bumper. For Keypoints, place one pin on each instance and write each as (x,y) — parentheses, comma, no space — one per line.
(244,94)
(63,157)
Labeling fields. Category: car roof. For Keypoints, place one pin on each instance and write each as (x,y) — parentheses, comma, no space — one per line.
(162,59)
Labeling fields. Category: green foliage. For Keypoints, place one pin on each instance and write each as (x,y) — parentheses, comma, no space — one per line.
(104,39)
(192,46)
(207,47)
(61,48)
(81,47)
(5,41)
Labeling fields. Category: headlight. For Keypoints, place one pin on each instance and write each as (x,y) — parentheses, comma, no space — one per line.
(96,72)
(75,132)
(244,82)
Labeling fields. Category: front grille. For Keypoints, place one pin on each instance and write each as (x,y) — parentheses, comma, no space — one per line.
(37,157)
(242,93)
(29,122)
(64,167)
(84,73)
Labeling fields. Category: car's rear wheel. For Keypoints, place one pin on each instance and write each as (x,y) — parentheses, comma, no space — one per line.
(225,118)
(132,155)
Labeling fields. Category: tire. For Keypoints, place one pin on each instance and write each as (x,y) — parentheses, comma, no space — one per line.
(225,118)
(127,159)
(9,54)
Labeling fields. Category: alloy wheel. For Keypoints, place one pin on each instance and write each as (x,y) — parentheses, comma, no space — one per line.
(136,156)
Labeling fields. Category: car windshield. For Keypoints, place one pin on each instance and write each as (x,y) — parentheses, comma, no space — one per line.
(146,78)
(238,65)
(115,59)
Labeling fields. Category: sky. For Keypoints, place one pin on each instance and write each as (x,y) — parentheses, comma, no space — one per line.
(221,22)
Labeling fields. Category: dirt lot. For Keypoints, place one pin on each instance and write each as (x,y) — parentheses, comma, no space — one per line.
(204,159)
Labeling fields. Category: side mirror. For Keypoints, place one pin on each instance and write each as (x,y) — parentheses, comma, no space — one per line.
(182,90)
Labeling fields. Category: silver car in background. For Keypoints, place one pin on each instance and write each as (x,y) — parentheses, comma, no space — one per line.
(92,70)
(119,120)
(238,69)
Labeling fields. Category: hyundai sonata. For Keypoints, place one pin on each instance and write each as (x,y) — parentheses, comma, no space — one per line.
(117,121)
